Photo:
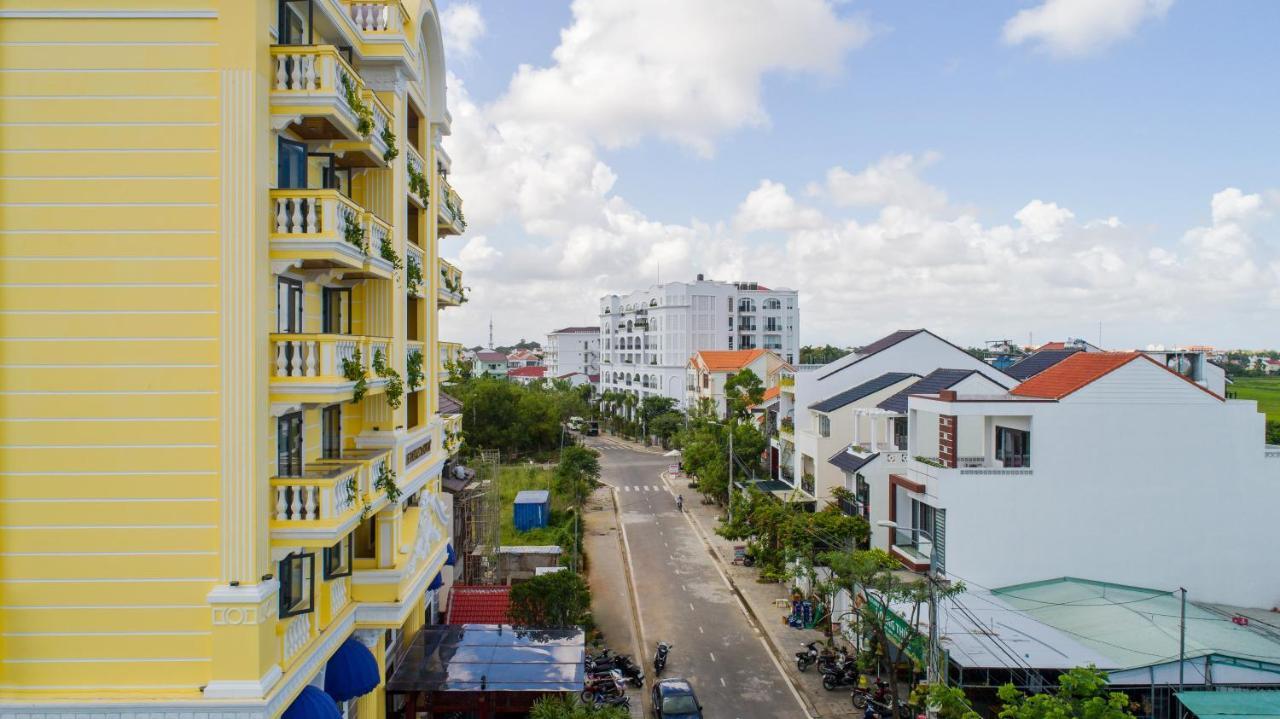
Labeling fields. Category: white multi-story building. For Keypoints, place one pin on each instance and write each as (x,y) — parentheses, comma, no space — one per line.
(572,349)
(648,336)
(1108,466)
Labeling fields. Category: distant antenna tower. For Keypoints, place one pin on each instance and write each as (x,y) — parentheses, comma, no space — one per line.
(490,331)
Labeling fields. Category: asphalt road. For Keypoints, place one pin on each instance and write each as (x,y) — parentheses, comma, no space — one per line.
(684,600)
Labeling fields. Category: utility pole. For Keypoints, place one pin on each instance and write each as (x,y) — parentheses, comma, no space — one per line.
(1182,639)
(730,427)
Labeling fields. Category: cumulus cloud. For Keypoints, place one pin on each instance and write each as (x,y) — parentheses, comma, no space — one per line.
(1075,28)
(687,71)
(894,180)
(462,25)
(771,207)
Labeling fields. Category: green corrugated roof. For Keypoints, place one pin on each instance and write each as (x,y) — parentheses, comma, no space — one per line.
(1134,626)
(1232,704)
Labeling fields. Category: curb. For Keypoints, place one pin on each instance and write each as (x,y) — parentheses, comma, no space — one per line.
(637,622)
(781,659)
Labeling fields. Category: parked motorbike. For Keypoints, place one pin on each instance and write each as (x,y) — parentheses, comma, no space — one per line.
(618,701)
(828,662)
(808,657)
(879,700)
(629,669)
(840,675)
(660,658)
(604,685)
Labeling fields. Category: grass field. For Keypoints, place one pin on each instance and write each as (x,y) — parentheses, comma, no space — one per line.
(514,479)
(1266,390)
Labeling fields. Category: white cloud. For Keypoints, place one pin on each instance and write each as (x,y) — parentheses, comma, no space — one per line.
(894,180)
(1232,205)
(1046,221)
(686,71)
(1074,28)
(462,25)
(771,207)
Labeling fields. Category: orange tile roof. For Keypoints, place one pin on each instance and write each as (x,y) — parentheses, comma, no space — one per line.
(1052,346)
(724,360)
(771,393)
(1073,373)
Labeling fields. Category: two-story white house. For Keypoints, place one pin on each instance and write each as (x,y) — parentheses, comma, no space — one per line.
(1107,466)
(708,370)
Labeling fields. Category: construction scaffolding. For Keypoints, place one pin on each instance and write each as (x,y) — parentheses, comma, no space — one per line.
(481,529)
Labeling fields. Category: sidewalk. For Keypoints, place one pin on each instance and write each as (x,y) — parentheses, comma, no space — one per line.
(610,589)
(759,599)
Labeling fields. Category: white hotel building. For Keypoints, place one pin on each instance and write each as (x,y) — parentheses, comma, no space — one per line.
(572,350)
(647,336)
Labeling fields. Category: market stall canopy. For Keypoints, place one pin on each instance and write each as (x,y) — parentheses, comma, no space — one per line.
(493,658)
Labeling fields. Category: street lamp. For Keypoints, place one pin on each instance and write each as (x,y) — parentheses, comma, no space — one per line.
(934,672)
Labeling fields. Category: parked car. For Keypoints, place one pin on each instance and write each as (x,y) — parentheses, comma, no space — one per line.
(674,699)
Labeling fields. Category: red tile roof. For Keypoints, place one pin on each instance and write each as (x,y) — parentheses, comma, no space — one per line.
(1073,373)
(725,360)
(1081,369)
(1052,346)
(771,393)
(469,604)
(527,372)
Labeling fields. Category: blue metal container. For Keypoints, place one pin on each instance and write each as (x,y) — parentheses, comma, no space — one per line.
(532,509)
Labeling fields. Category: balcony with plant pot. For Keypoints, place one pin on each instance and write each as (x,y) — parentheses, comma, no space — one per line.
(449,210)
(324,230)
(382,25)
(327,368)
(451,293)
(416,177)
(415,262)
(379,146)
(318,95)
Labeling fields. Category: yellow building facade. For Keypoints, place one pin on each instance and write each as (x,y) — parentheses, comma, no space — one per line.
(220,439)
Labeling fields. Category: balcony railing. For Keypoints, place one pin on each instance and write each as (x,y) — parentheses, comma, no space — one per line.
(451,291)
(369,150)
(313,367)
(324,229)
(415,270)
(318,93)
(320,492)
(452,221)
(297,634)
(415,174)
(378,17)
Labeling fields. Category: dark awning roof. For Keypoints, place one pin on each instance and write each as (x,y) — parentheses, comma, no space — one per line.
(351,672)
(449,404)
(491,657)
(1037,362)
(932,383)
(851,462)
(849,396)
(312,703)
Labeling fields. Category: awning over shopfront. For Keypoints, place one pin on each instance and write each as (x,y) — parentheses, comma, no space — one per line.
(452,558)
(351,672)
(436,582)
(312,703)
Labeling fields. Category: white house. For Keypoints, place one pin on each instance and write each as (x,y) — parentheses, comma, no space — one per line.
(1107,466)
(572,349)
(709,369)
(918,352)
(648,336)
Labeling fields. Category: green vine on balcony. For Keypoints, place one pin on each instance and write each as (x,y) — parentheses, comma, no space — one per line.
(354,233)
(418,183)
(353,488)
(413,370)
(389,139)
(353,370)
(930,461)
(388,252)
(357,104)
(387,482)
(413,275)
(395,386)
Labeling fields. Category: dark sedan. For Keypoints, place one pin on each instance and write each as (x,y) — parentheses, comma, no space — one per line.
(674,699)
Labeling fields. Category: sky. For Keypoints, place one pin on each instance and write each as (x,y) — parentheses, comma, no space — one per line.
(1031,170)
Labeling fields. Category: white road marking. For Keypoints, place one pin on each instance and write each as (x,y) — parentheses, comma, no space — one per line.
(722,682)
(700,631)
(713,656)
(691,607)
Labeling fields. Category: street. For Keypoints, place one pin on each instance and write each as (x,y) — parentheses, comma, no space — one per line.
(684,600)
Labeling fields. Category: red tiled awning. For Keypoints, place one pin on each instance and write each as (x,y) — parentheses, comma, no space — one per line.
(471,604)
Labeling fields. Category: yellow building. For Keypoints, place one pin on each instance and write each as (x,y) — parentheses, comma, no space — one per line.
(220,444)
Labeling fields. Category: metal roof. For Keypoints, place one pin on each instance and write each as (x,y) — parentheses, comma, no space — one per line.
(1037,362)
(487,657)
(931,383)
(1233,704)
(850,462)
(533,496)
(836,401)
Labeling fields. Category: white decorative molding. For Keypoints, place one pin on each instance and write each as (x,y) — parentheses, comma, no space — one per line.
(279,267)
(246,689)
(279,409)
(109,14)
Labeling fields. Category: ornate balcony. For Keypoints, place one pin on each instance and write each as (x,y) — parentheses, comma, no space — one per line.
(317,94)
(324,230)
(451,219)
(378,18)
(451,293)
(417,553)
(315,368)
(416,177)
(415,271)
(372,150)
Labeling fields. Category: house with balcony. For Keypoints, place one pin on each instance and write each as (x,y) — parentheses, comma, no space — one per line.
(709,369)
(847,385)
(273,438)
(1108,465)
(488,363)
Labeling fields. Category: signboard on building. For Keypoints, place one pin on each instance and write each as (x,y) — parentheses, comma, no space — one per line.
(897,629)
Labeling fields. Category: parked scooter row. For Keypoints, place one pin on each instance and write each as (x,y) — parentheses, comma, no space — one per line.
(606,661)
(840,670)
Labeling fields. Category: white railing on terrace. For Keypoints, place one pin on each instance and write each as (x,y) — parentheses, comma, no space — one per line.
(314,212)
(337,595)
(322,492)
(314,69)
(377,17)
(319,355)
(296,635)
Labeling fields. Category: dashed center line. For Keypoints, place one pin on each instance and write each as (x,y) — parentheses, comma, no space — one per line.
(691,607)
(713,656)
(722,682)
(700,631)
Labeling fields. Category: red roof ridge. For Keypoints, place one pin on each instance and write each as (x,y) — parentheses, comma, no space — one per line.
(1082,369)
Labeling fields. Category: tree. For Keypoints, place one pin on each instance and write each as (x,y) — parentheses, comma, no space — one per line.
(821,355)
(654,405)
(577,473)
(875,574)
(1082,692)
(555,706)
(551,601)
(742,391)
